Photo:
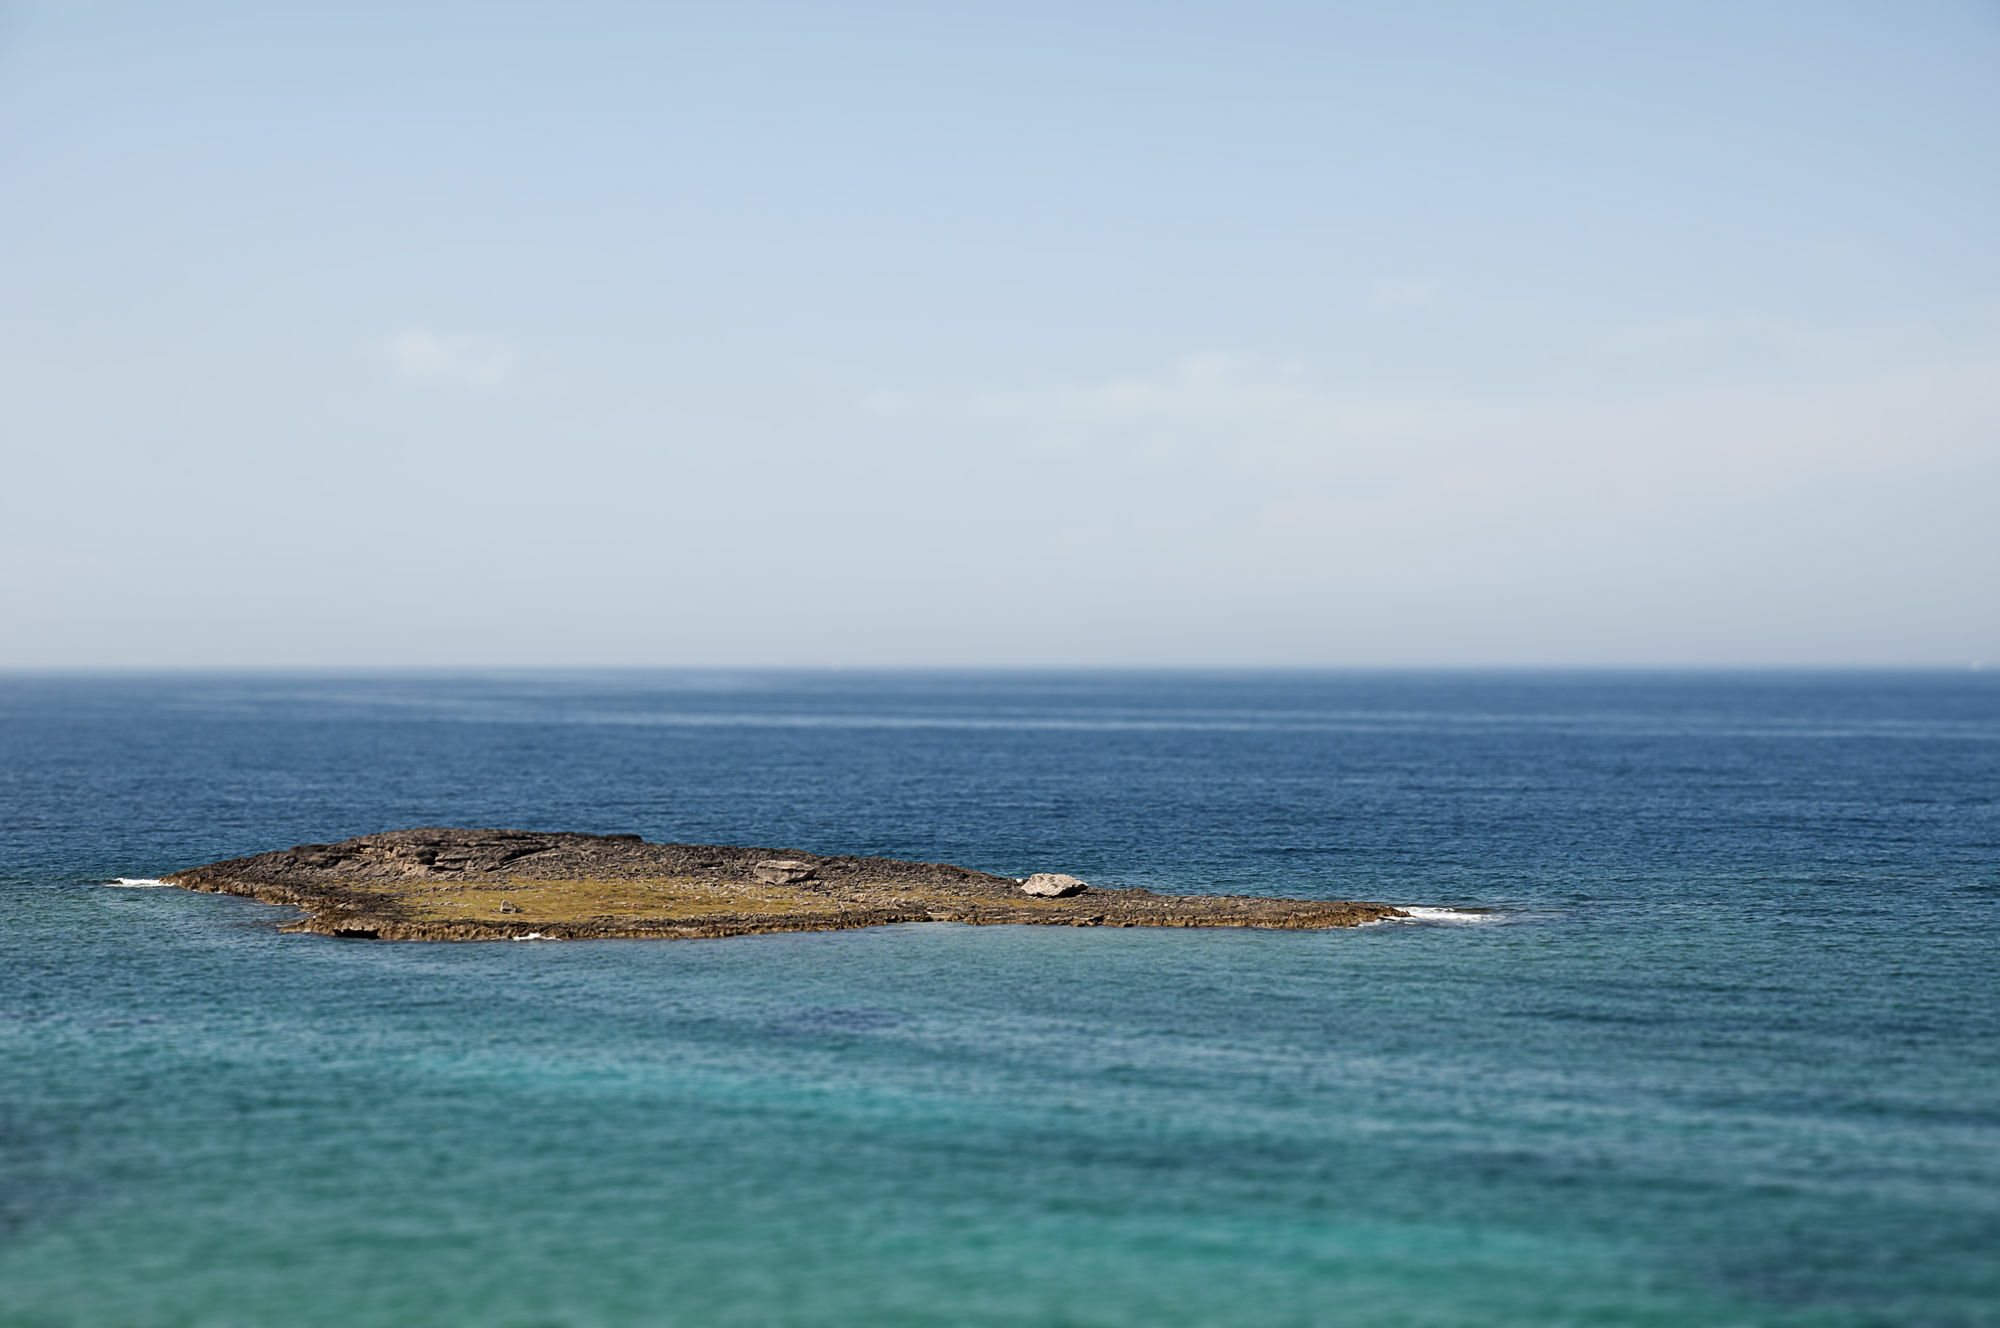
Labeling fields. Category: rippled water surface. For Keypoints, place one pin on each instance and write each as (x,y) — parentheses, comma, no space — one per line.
(1723,1052)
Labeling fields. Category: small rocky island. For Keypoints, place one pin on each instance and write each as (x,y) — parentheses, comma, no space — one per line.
(467,885)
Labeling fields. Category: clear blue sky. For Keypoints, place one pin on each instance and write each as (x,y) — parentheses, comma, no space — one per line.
(501,334)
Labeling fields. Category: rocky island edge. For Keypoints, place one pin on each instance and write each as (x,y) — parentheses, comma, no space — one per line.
(438,884)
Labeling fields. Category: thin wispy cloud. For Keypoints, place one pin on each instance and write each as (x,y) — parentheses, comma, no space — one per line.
(458,359)
(1852,403)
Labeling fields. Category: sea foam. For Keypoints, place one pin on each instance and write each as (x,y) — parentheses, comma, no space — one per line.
(136,883)
(1454,916)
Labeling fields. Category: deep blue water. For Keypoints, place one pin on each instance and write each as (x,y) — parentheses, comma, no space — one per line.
(1725,1054)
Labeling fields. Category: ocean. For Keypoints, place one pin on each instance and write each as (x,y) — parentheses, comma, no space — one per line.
(1723,1048)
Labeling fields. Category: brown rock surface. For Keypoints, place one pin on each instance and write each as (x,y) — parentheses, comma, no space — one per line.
(447,885)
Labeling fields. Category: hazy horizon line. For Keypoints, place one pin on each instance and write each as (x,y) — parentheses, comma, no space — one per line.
(12,672)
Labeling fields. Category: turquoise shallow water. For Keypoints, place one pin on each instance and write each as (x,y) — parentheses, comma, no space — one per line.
(1724,1054)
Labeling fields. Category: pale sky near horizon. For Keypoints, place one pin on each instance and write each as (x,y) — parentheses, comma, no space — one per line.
(1012,334)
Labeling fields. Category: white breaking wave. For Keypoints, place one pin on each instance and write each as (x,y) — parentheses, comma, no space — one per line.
(1458,916)
(534,936)
(137,883)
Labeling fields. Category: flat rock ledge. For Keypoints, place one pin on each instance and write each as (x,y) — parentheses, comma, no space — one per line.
(436,884)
